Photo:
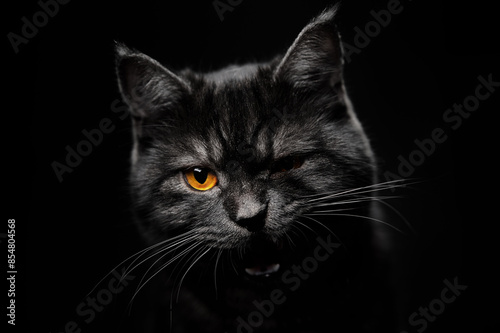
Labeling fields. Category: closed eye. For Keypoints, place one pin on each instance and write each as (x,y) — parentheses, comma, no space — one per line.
(286,164)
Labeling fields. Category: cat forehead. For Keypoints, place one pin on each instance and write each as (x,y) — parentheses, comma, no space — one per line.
(232,73)
(237,114)
(266,139)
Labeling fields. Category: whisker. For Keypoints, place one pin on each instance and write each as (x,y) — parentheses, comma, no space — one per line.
(215,271)
(184,263)
(343,202)
(139,254)
(240,253)
(360,216)
(376,185)
(170,248)
(232,262)
(361,190)
(171,307)
(307,227)
(290,239)
(324,226)
(348,193)
(191,266)
(317,212)
(300,229)
(354,200)
(142,284)
(398,214)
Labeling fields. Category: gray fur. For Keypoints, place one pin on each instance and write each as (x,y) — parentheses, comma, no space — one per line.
(241,122)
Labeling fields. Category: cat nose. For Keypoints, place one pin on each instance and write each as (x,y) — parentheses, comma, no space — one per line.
(255,222)
(251,215)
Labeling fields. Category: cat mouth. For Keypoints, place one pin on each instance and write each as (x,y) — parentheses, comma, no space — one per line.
(262,259)
(265,270)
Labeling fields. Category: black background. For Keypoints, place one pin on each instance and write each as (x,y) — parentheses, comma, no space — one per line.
(71,233)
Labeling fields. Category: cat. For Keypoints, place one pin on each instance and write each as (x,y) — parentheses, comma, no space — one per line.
(253,186)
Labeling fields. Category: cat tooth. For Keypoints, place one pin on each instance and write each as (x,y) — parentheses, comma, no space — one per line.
(262,270)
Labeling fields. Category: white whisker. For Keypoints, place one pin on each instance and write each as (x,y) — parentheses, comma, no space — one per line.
(191,266)
(289,239)
(360,190)
(170,248)
(360,216)
(307,227)
(142,284)
(324,226)
(137,255)
(215,271)
(397,213)
(232,262)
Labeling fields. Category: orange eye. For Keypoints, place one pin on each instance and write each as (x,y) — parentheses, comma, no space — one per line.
(201,179)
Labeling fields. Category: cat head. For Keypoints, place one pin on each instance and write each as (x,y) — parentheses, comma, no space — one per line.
(236,157)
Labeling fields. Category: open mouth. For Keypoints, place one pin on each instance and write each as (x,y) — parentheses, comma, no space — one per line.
(265,270)
(262,258)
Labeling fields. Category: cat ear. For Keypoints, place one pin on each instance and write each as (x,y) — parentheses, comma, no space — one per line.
(146,86)
(315,58)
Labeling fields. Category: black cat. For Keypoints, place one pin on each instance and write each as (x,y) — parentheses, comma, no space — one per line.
(254,187)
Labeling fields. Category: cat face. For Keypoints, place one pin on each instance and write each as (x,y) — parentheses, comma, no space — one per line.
(237,158)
